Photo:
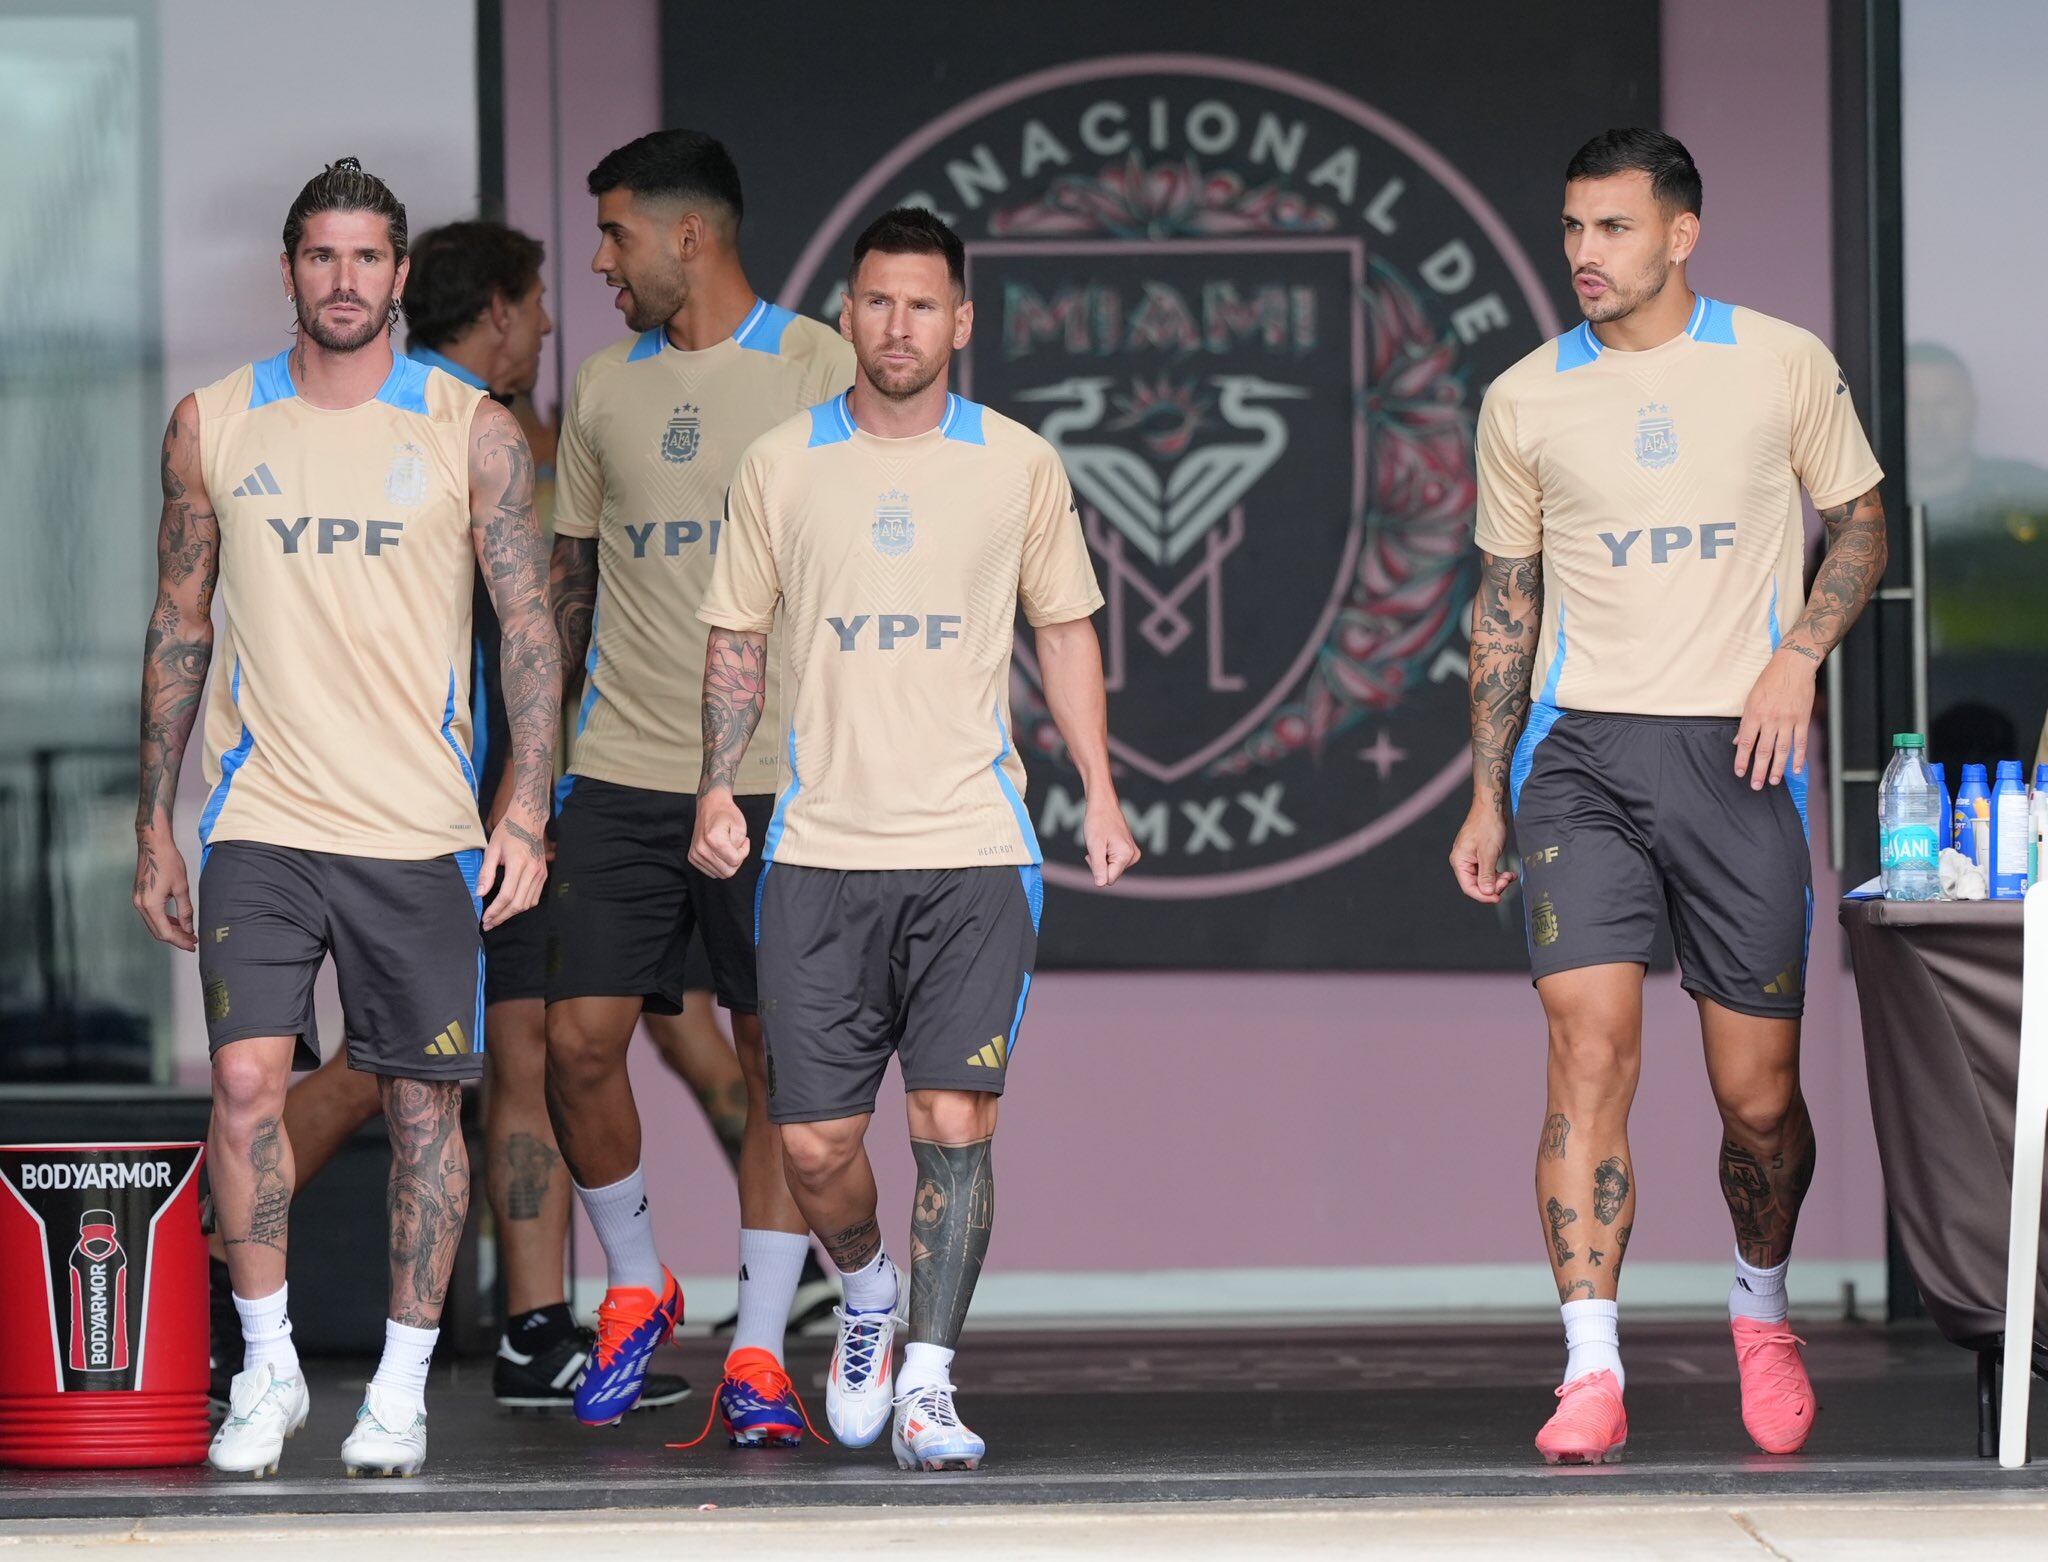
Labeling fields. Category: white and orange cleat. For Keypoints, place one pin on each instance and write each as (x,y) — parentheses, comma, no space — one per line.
(1777,1396)
(1589,1426)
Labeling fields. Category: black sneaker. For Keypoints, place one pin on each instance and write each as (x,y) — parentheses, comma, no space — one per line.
(817,1293)
(223,1337)
(547,1379)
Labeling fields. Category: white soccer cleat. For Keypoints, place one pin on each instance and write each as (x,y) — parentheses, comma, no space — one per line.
(389,1437)
(263,1410)
(860,1385)
(929,1434)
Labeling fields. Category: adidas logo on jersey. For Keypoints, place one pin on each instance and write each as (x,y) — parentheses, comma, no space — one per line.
(258,482)
(449,1044)
(993,1055)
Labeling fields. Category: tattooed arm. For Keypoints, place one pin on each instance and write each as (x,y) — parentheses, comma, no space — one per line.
(1506,617)
(508,550)
(1779,710)
(175,655)
(572,595)
(735,688)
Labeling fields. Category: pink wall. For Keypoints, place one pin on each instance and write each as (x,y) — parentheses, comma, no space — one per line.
(1212,1119)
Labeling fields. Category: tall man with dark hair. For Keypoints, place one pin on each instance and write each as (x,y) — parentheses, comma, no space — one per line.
(344,496)
(1641,692)
(896,529)
(653,431)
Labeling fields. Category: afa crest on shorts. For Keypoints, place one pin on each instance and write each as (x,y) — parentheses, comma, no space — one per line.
(894,532)
(679,441)
(406,482)
(1656,439)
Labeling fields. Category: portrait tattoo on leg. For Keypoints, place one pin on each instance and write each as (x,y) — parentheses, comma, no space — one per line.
(1610,1189)
(428,1194)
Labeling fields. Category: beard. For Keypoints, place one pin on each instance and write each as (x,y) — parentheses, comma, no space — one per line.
(1617,303)
(655,299)
(336,339)
(900,384)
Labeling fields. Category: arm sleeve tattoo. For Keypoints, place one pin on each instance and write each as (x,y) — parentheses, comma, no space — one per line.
(1848,575)
(1506,618)
(508,547)
(572,594)
(735,688)
(178,647)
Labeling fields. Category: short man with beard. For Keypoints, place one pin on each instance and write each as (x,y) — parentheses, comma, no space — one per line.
(649,444)
(897,529)
(1642,686)
(343,497)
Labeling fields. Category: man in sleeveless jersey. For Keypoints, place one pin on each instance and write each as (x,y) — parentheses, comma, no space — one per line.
(342,497)
(896,530)
(1642,685)
(648,446)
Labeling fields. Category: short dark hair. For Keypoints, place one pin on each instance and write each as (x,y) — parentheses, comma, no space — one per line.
(684,165)
(458,269)
(342,186)
(1674,179)
(911,230)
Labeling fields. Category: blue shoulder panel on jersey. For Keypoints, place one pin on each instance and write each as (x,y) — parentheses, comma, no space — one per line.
(1577,348)
(962,421)
(762,330)
(830,423)
(1713,321)
(272,381)
(649,345)
(406,386)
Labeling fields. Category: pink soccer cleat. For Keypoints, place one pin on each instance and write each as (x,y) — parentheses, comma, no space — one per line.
(1777,1395)
(1589,1426)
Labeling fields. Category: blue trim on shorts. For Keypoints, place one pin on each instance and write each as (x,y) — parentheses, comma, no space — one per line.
(1795,780)
(1016,1023)
(1034,890)
(471,864)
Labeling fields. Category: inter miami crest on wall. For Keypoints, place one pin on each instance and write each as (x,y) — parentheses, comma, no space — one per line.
(1254,316)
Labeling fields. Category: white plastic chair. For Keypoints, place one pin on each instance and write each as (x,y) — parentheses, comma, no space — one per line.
(2030,1135)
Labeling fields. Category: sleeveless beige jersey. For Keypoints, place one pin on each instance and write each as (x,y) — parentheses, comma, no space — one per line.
(338,715)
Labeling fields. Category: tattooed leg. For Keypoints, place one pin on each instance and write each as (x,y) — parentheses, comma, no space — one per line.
(834,1186)
(1767,1151)
(428,1195)
(950,1222)
(1585,1183)
(524,1178)
(249,1161)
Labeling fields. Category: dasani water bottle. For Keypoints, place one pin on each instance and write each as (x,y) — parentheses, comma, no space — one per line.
(1909,824)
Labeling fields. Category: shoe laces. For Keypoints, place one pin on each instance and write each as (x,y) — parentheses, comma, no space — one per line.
(763,1382)
(615,1325)
(862,1342)
(934,1401)
(1775,1355)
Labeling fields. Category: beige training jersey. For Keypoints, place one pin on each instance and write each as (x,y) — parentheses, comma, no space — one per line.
(1662,489)
(899,565)
(648,449)
(338,715)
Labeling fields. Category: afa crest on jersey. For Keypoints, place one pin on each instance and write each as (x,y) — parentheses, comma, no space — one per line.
(679,442)
(406,482)
(1656,439)
(894,532)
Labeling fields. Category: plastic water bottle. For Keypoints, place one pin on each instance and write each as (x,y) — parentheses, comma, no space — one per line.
(2008,870)
(1948,805)
(1909,824)
(2037,828)
(1973,817)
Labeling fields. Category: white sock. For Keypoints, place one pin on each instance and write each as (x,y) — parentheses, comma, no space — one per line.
(1759,1293)
(872,1288)
(770,1264)
(267,1334)
(1592,1335)
(923,1365)
(408,1352)
(619,1212)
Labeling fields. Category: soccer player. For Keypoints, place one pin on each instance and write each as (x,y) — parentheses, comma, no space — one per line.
(1642,686)
(343,497)
(898,527)
(653,431)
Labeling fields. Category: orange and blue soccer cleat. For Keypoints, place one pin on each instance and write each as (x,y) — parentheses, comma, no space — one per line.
(758,1403)
(632,1324)
(1589,1426)
(1777,1396)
